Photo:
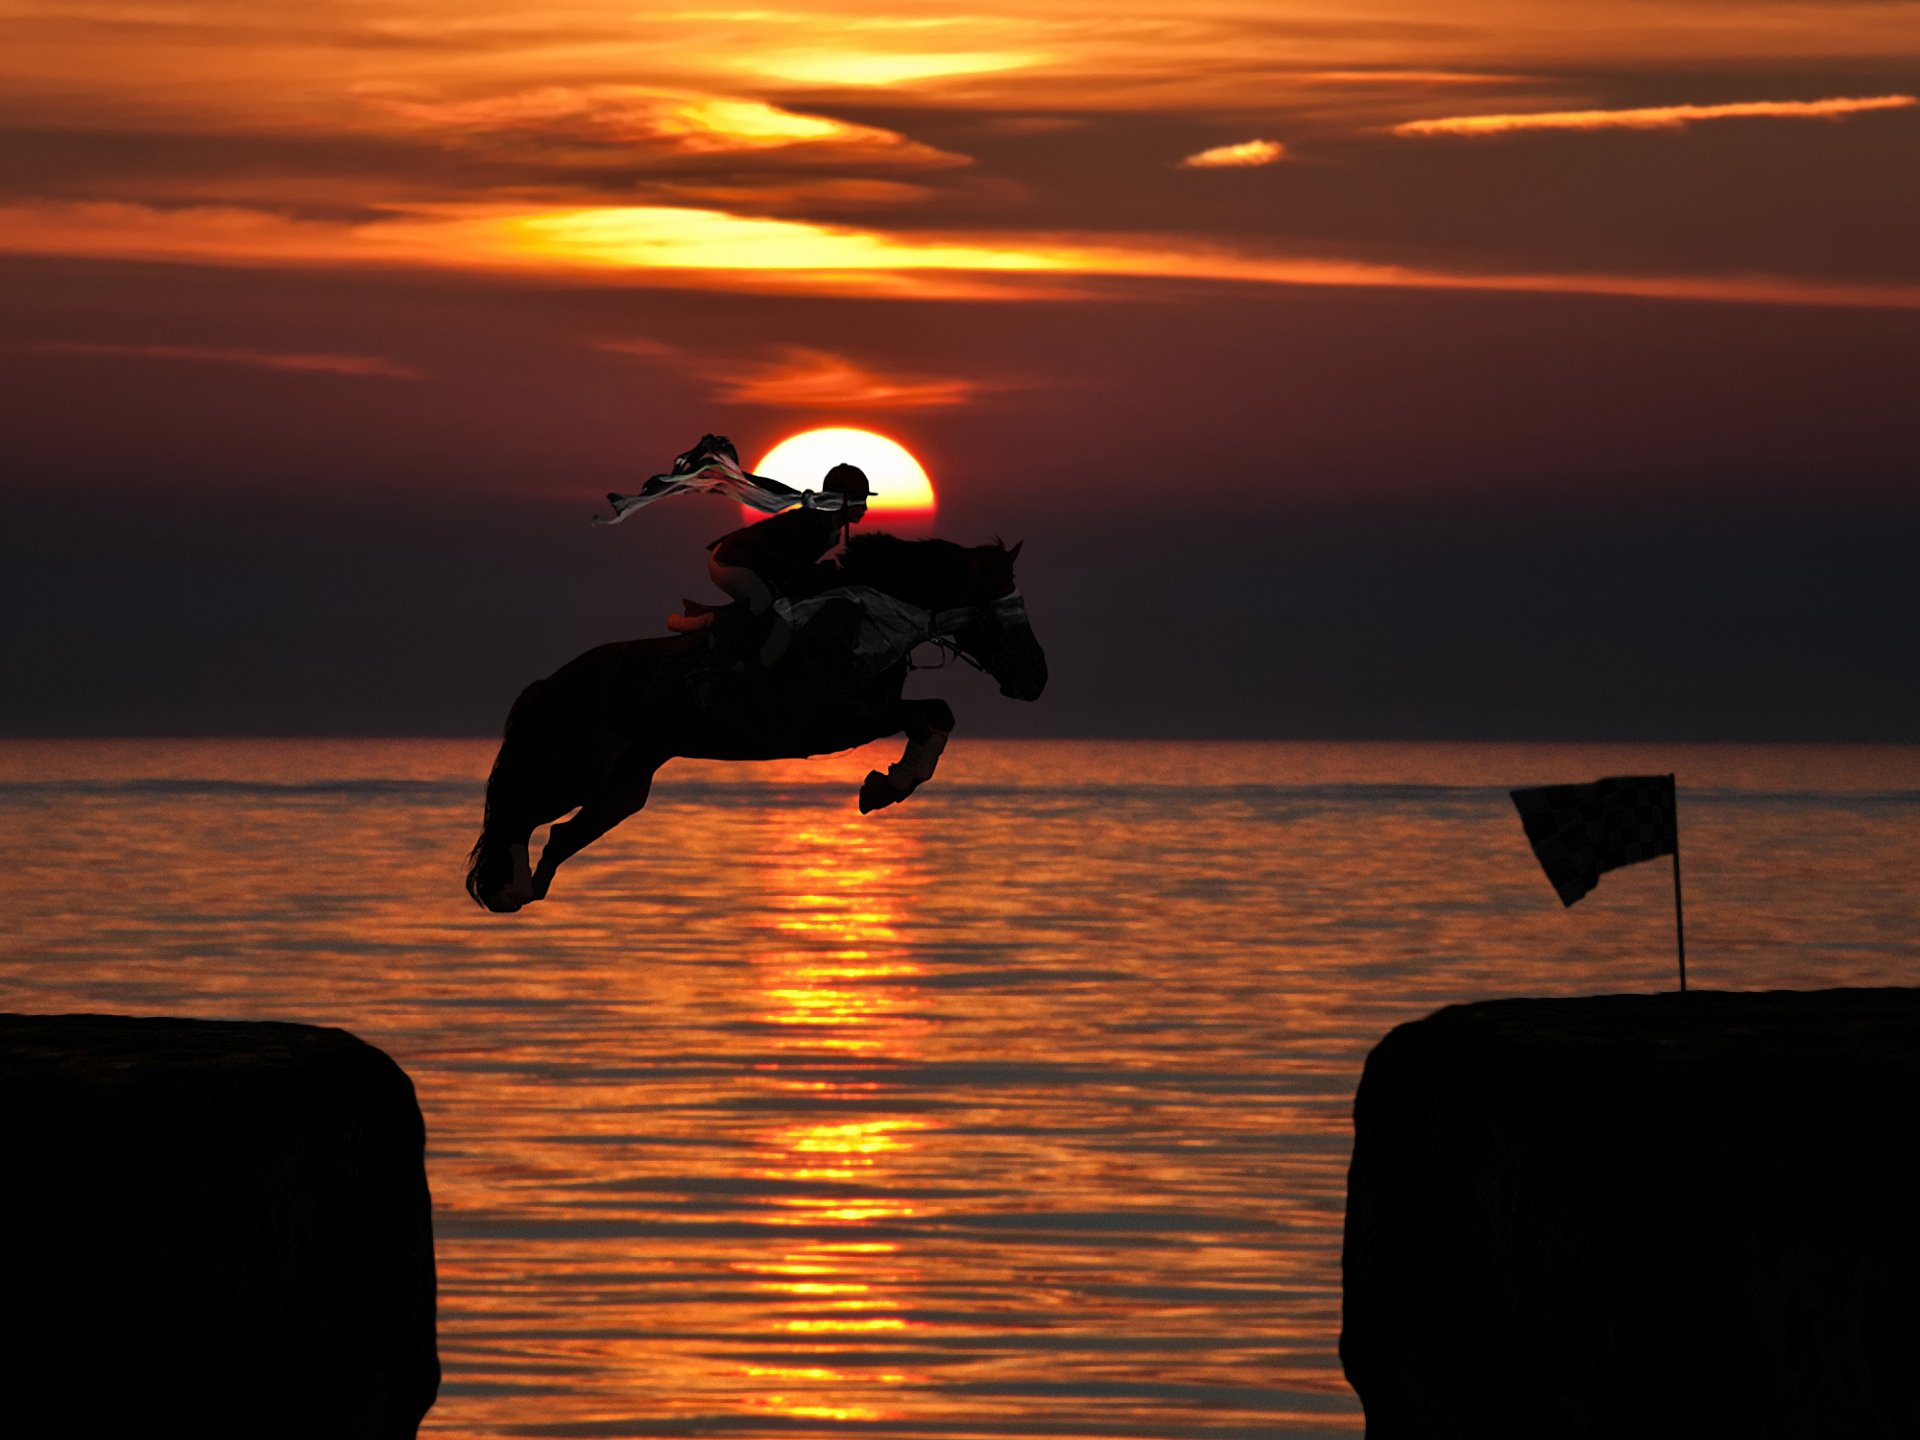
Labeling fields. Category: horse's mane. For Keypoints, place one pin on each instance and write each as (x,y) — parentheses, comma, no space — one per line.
(928,573)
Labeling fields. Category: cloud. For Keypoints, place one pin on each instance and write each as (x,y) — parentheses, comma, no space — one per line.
(1246,153)
(805,379)
(680,246)
(713,250)
(626,117)
(768,195)
(1392,78)
(237,65)
(319,363)
(874,68)
(192,234)
(1654,117)
(660,236)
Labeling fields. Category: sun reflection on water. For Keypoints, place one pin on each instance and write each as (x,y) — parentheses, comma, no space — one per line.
(836,979)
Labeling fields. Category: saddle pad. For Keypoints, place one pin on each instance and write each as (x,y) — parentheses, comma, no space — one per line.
(889,628)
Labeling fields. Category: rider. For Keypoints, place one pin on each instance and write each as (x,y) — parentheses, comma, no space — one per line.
(778,557)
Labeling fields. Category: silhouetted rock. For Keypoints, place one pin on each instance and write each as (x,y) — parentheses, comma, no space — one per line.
(210,1229)
(1633,1215)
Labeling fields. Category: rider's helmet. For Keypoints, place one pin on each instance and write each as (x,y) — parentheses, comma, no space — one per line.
(850,481)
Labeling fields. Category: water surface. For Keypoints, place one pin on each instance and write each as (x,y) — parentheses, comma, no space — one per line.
(1020,1110)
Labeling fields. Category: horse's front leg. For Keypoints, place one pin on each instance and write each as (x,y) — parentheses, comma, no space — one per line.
(928,724)
(595,818)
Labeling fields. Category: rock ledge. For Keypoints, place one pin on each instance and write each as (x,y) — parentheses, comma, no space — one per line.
(211,1229)
(1634,1215)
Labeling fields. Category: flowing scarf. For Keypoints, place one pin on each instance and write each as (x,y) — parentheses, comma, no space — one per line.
(709,470)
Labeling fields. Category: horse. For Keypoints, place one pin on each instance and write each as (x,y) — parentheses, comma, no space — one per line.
(589,737)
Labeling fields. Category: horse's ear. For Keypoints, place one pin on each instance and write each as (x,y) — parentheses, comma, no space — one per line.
(1014,553)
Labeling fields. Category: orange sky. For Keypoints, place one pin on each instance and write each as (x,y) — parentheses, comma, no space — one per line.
(844,148)
(1321,255)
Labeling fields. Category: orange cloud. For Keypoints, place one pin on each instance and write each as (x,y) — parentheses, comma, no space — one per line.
(673,121)
(249,68)
(661,236)
(713,250)
(864,66)
(805,379)
(195,234)
(1656,117)
(1416,79)
(322,363)
(765,195)
(678,245)
(1246,153)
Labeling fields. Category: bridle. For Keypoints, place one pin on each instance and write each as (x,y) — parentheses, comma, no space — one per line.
(943,624)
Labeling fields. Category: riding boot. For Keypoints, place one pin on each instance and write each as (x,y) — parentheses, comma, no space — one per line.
(718,626)
(723,629)
(731,636)
(774,640)
(740,641)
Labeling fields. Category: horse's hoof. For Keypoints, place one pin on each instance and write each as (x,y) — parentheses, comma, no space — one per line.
(876,793)
(509,898)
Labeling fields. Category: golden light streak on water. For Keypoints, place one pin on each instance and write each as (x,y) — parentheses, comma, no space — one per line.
(834,968)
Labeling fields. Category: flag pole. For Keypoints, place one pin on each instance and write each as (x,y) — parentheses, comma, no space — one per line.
(1679,922)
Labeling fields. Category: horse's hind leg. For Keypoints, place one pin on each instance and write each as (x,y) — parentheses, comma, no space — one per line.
(497,872)
(625,795)
(929,723)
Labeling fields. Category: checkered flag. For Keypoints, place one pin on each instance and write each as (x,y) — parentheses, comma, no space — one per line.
(1581,831)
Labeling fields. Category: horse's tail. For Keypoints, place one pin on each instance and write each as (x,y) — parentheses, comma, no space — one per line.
(497,862)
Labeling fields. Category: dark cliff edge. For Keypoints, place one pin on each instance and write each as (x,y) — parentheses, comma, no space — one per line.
(213,1229)
(1635,1215)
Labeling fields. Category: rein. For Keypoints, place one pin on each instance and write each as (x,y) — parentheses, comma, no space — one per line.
(950,651)
(942,624)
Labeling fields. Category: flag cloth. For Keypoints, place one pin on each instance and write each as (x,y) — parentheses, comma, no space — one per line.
(1581,831)
(712,468)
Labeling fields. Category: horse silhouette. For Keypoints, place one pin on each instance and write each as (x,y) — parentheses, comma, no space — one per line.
(589,737)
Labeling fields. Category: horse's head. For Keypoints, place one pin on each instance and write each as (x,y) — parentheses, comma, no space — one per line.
(971,587)
(998,633)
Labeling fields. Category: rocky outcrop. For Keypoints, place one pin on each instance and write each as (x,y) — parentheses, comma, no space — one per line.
(1638,1215)
(211,1229)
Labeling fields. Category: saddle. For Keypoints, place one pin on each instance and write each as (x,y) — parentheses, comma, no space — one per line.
(872,630)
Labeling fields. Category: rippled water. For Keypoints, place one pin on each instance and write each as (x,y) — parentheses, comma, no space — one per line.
(1020,1110)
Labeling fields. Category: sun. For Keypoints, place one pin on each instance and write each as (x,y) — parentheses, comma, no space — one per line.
(901,489)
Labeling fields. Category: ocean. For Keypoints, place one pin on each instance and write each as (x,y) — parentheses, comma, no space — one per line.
(1022,1109)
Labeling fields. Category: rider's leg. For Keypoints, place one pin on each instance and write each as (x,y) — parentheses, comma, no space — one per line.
(742,583)
(756,597)
(739,628)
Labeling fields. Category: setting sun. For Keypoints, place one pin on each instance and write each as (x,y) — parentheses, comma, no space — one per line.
(901,489)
